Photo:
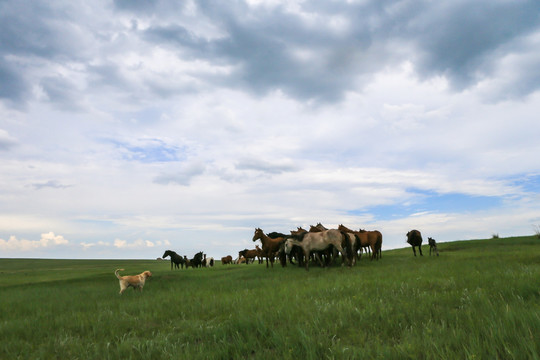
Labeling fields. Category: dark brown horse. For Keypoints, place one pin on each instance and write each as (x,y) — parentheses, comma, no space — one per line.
(432,246)
(414,238)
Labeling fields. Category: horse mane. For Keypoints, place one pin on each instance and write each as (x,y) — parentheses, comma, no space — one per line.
(275,235)
(344,228)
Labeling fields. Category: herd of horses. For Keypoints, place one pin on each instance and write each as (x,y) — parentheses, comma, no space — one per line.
(319,245)
(198,260)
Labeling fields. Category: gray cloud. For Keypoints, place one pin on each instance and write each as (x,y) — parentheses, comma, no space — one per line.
(265,166)
(182,176)
(460,40)
(463,40)
(318,51)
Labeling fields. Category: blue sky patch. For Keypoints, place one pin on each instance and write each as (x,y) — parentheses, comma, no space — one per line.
(430,201)
(528,183)
(150,151)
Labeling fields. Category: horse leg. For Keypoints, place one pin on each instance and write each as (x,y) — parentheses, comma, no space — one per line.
(306,255)
(320,259)
(414,251)
(420,249)
(344,255)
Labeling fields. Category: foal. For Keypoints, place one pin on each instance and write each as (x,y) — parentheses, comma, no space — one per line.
(432,246)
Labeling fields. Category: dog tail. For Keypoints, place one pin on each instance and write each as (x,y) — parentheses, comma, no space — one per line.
(116,273)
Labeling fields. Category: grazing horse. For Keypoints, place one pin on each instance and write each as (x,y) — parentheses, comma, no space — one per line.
(187,261)
(372,239)
(269,246)
(176,259)
(248,255)
(226,260)
(414,238)
(317,241)
(432,246)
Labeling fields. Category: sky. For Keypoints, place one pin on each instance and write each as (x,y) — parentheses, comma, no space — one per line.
(130,127)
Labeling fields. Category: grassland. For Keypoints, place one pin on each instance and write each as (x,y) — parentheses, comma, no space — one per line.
(477,300)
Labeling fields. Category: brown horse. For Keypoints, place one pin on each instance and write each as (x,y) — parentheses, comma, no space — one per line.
(249,255)
(317,228)
(269,246)
(226,260)
(372,239)
(376,234)
(298,231)
(317,241)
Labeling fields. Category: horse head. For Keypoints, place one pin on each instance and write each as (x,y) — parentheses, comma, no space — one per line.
(321,227)
(258,234)
(298,231)
(288,245)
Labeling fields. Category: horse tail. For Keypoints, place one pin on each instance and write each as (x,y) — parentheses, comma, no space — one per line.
(346,243)
(116,273)
(380,245)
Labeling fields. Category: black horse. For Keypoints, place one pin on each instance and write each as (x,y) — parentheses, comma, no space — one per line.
(197,260)
(415,239)
(176,259)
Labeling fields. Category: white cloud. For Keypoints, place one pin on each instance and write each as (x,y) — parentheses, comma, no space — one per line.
(163,126)
(47,240)
(7,142)
(139,244)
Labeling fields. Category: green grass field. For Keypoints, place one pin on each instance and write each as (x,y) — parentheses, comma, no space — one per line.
(477,300)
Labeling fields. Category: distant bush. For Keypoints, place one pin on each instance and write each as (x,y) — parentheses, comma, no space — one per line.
(495,236)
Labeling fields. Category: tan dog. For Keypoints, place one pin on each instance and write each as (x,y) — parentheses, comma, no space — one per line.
(136,281)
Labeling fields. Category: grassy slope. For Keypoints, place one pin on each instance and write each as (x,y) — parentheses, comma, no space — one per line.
(479,299)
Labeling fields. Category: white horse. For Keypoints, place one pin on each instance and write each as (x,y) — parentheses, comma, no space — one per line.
(318,241)
(208,261)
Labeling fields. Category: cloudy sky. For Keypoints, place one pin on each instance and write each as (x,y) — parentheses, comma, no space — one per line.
(130,127)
